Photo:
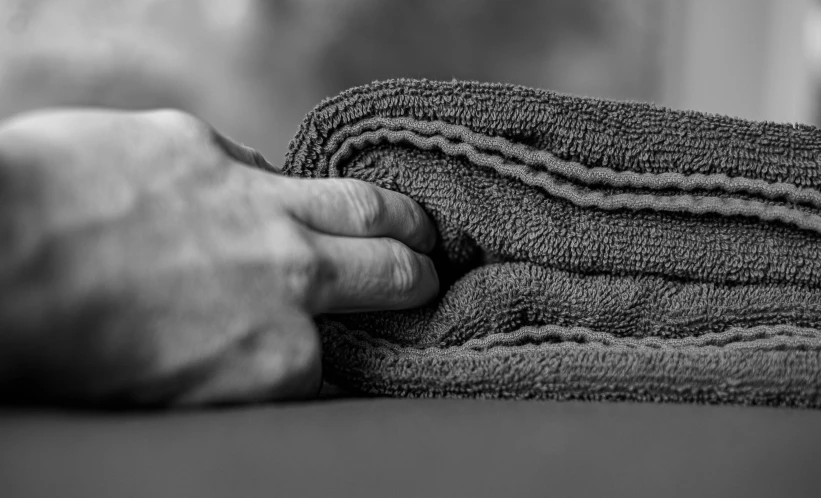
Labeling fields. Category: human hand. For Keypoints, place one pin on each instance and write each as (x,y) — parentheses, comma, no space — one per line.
(141,262)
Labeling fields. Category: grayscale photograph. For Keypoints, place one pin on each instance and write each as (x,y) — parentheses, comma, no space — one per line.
(410,248)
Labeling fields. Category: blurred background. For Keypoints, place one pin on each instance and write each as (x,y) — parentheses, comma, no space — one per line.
(253,68)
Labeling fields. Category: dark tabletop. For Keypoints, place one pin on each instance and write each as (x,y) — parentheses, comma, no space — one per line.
(398,448)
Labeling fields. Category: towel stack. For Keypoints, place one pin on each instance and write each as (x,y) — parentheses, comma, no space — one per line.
(588,249)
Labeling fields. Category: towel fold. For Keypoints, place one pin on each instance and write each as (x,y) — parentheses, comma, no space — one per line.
(588,249)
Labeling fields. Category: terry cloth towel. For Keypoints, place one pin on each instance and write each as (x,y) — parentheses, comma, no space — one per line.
(588,249)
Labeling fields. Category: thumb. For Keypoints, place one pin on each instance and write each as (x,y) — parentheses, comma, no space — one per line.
(281,363)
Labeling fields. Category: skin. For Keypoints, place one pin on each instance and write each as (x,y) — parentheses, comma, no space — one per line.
(144,260)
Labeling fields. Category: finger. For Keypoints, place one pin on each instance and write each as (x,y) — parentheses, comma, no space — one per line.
(371,274)
(354,208)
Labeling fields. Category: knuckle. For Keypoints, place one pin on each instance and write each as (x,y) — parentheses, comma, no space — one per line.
(301,271)
(416,218)
(172,117)
(405,270)
(189,140)
(179,121)
(419,224)
(365,204)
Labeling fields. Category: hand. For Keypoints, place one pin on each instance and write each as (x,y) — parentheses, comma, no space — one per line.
(142,261)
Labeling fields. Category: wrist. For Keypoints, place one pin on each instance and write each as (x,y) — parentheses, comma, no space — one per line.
(15,202)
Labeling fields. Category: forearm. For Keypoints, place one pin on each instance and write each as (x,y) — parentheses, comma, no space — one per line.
(30,319)
(10,348)
(35,320)
(15,264)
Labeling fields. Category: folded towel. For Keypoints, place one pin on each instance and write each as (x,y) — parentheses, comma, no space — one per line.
(588,249)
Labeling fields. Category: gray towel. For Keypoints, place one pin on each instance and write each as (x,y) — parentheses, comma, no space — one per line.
(588,249)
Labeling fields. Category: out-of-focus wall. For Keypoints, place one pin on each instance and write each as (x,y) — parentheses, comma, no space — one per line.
(748,58)
(253,68)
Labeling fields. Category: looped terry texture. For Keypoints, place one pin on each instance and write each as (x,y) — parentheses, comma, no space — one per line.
(588,249)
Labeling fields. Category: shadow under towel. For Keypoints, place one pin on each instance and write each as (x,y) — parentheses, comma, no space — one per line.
(588,249)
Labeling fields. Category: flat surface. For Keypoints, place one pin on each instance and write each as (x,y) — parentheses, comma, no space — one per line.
(398,448)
